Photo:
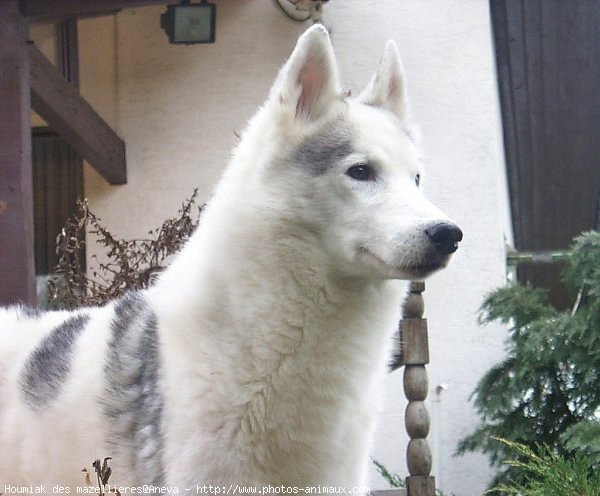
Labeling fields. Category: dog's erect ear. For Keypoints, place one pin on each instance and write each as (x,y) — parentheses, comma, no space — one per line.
(387,88)
(309,81)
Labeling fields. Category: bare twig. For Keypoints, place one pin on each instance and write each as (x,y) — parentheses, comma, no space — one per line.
(130,264)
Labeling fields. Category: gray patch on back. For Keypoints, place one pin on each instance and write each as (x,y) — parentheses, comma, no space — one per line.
(50,363)
(133,403)
(319,152)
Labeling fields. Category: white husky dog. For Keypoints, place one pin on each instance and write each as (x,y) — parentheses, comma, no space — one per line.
(256,357)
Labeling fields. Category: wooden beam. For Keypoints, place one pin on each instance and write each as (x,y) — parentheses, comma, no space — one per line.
(52,10)
(58,102)
(68,58)
(17,267)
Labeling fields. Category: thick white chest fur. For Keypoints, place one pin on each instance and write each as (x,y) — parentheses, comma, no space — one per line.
(284,387)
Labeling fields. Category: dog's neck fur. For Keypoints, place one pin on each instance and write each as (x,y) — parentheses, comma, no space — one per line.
(291,334)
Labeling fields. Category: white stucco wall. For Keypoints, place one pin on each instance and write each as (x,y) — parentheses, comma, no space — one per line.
(178,107)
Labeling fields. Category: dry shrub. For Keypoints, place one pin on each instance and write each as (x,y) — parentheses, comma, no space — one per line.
(130,264)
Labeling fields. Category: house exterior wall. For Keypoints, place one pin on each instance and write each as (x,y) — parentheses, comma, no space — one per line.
(178,107)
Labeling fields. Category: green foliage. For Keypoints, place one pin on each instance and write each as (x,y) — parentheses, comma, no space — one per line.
(584,437)
(546,473)
(583,276)
(547,388)
(394,480)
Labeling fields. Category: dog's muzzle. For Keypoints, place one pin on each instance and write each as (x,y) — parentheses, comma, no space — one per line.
(445,236)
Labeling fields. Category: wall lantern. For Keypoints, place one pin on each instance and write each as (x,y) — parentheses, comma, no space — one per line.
(302,10)
(190,23)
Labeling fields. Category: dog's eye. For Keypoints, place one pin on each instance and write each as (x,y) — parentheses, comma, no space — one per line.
(361,172)
(418,180)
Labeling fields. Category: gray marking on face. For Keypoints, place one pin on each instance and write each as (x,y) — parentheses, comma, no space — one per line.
(49,364)
(322,150)
(133,401)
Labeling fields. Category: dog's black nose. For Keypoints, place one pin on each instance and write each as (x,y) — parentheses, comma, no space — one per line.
(445,236)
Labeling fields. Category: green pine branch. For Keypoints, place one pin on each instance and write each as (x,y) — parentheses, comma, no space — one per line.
(546,391)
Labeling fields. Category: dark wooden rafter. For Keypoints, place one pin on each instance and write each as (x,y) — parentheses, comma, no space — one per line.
(28,80)
(17,268)
(58,102)
(53,10)
(68,59)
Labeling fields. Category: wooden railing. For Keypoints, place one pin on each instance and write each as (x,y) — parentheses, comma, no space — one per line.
(413,355)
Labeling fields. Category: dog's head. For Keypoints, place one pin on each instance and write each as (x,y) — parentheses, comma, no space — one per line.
(348,170)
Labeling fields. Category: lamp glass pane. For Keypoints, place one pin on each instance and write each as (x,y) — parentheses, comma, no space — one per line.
(193,24)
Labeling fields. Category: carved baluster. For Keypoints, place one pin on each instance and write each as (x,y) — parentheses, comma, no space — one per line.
(414,355)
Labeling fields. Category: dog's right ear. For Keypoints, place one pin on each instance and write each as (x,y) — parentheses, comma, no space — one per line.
(387,88)
(309,80)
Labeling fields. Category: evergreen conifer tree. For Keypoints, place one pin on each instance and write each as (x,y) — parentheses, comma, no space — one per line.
(547,390)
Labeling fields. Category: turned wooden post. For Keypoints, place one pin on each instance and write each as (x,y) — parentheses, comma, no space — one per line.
(414,355)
